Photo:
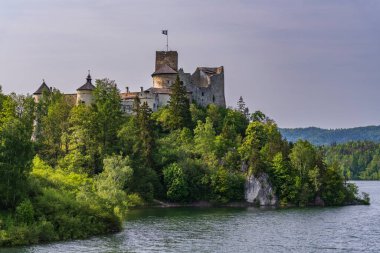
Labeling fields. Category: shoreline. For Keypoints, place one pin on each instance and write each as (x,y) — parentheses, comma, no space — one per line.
(207,204)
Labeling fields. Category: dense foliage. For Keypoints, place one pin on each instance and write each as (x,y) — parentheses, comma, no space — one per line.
(85,165)
(358,160)
(318,136)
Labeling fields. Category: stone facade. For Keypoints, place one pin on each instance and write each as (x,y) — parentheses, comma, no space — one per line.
(205,86)
(169,58)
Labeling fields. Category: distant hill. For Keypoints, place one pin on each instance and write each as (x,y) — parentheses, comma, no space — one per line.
(319,136)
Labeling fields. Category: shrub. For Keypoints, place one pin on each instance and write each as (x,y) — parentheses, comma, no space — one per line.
(25,212)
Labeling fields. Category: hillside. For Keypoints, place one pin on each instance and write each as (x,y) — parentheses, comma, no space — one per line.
(359,159)
(319,136)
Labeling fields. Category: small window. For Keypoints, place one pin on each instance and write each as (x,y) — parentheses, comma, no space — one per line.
(203,94)
(213,98)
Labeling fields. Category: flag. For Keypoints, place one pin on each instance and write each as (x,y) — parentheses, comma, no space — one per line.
(165,32)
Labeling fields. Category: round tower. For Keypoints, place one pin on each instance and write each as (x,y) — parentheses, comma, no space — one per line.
(84,93)
(166,69)
(39,92)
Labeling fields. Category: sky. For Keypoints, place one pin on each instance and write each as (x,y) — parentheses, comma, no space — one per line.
(301,62)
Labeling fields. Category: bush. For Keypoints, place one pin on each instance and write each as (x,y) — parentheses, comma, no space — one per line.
(227,186)
(176,183)
(25,212)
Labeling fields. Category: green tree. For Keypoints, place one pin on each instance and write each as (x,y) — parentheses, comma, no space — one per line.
(110,184)
(308,166)
(176,182)
(242,108)
(83,147)
(145,134)
(179,107)
(204,138)
(15,156)
(54,126)
(107,116)
(283,180)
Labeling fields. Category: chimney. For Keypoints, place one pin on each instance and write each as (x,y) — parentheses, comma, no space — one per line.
(127,89)
(142,89)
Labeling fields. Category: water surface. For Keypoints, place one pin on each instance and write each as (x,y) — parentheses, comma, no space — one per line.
(335,229)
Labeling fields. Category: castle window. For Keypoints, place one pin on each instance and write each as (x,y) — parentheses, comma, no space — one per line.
(213,98)
(203,94)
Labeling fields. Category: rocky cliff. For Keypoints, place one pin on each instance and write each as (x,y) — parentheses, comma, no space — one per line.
(259,191)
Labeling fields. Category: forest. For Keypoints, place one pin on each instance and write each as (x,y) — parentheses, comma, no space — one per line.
(319,136)
(70,172)
(358,159)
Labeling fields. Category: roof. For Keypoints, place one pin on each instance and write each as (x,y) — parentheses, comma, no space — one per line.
(40,90)
(132,95)
(165,69)
(160,90)
(88,85)
(129,95)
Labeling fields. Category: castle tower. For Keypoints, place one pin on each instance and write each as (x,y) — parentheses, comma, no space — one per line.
(39,92)
(166,68)
(84,93)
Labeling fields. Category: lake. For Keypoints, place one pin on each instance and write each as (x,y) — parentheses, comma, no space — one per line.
(333,229)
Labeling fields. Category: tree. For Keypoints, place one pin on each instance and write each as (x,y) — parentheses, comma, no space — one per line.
(48,98)
(54,126)
(283,180)
(82,143)
(146,134)
(204,137)
(176,182)
(112,181)
(242,108)
(308,166)
(25,108)
(179,107)
(16,152)
(258,116)
(15,157)
(107,116)
(137,134)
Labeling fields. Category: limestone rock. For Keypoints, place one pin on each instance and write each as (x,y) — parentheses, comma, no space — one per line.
(258,190)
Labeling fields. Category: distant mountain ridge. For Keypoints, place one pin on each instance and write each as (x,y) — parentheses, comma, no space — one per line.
(319,136)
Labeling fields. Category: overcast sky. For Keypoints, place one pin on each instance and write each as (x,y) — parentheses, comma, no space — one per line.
(303,63)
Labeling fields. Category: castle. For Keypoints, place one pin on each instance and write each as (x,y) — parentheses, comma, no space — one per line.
(205,86)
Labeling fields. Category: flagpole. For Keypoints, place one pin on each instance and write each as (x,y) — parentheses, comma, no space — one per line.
(165,32)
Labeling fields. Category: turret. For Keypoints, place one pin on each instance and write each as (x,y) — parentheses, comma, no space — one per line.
(166,69)
(84,93)
(39,92)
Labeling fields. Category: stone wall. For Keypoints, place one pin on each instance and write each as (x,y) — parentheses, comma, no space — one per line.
(164,80)
(169,58)
(206,88)
(84,96)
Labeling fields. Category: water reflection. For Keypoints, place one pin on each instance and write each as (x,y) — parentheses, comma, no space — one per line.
(335,229)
